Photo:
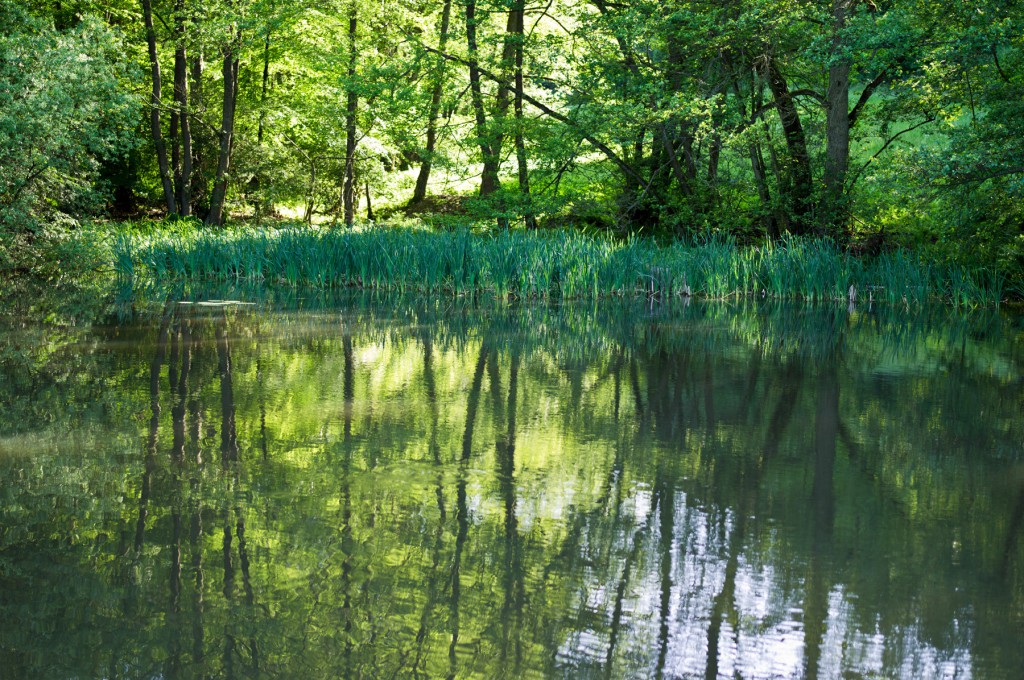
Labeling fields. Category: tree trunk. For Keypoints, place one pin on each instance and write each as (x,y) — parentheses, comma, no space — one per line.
(227,137)
(633,204)
(311,200)
(490,155)
(351,106)
(801,187)
(757,164)
(636,160)
(172,132)
(678,145)
(420,192)
(497,131)
(681,175)
(837,136)
(264,88)
(516,18)
(196,104)
(181,101)
(262,206)
(781,215)
(714,155)
(154,110)
(758,168)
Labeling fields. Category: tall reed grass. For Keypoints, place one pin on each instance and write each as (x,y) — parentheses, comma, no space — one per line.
(542,265)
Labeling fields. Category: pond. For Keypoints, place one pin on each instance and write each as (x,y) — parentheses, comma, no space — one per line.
(360,487)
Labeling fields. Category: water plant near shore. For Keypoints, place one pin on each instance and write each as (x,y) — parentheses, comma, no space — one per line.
(544,265)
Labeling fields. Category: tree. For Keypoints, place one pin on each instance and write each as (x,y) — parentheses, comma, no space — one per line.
(63,110)
(351,109)
(752,118)
(155,106)
(230,62)
(434,109)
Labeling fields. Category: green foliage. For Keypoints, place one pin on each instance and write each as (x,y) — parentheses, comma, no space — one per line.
(961,190)
(63,110)
(545,265)
(637,117)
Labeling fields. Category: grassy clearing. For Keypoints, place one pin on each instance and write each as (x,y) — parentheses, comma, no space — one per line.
(540,265)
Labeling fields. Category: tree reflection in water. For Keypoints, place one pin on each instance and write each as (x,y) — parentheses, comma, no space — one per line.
(503,492)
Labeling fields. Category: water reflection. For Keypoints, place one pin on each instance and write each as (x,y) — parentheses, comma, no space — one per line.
(426,491)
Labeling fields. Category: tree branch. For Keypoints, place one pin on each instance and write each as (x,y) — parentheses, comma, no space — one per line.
(928,119)
(869,90)
(981,175)
(816,96)
(995,58)
(562,118)
(34,174)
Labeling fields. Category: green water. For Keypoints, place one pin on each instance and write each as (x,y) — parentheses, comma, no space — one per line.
(382,489)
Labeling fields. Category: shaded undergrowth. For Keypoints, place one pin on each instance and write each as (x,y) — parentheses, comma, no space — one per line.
(533,265)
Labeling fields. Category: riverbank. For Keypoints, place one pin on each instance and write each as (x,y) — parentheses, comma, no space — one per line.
(540,265)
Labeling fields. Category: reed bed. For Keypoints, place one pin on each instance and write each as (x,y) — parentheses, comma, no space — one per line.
(543,265)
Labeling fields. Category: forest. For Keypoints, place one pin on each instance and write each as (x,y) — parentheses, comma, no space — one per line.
(876,125)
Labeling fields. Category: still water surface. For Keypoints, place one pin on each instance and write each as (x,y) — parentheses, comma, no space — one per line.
(382,489)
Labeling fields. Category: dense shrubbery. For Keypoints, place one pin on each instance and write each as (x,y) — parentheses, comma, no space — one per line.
(64,110)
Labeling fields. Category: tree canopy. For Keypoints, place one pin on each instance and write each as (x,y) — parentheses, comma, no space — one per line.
(855,119)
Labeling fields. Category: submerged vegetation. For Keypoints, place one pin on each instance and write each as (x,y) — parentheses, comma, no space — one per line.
(544,265)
